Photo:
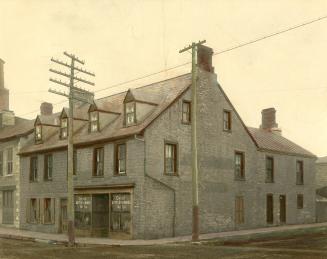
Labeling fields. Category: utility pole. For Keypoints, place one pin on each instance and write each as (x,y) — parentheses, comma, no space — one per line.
(79,94)
(195,187)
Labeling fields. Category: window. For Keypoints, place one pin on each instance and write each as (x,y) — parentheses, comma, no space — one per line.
(47,211)
(38,133)
(1,163)
(48,165)
(33,169)
(98,162)
(300,201)
(64,128)
(186,112)
(239,165)
(299,172)
(269,169)
(130,113)
(33,211)
(239,210)
(9,161)
(227,123)
(94,121)
(120,154)
(170,158)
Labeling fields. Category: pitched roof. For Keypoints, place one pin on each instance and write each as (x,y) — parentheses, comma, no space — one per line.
(21,127)
(165,92)
(270,141)
(322,160)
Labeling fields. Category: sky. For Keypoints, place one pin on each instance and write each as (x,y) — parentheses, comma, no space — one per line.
(126,39)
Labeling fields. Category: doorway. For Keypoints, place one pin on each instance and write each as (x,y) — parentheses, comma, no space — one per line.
(8,207)
(270,209)
(282,208)
(100,215)
(63,216)
(120,224)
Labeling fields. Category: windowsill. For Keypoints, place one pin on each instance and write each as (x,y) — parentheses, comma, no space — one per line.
(47,223)
(300,208)
(36,181)
(120,174)
(239,179)
(47,180)
(186,123)
(227,131)
(8,175)
(269,181)
(171,174)
(299,183)
(97,176)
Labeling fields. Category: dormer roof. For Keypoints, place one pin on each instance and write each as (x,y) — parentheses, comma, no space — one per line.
(161,95)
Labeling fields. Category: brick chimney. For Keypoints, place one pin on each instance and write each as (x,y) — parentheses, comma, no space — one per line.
(205,58)
(46,108)
(269,121)
(4,93)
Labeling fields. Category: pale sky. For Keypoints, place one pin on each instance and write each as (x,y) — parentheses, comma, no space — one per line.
(122,40)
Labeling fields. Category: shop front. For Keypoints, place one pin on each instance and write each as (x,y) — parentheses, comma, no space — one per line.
(103,213)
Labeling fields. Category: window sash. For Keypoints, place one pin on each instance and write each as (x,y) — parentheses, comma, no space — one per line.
(239,165)
(94,121)
(48,166)
(33,211)
(33,171)
(98,162)
(186,110)
(121,158)
(227,120)
(64,128)
(299,172)
(269,169)
(130,113)
(170,158)
(38,132)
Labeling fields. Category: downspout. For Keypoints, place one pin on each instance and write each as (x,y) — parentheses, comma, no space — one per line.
(161,183)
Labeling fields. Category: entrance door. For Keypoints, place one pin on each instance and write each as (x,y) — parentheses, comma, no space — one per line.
(270,209)
(120,213)
(63,216)
(100,215)
(282,209)
(8,207)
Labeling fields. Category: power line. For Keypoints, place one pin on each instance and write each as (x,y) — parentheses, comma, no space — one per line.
(216,53)
(220,52)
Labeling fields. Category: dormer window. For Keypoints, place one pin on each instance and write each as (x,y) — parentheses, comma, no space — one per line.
(130,113)
(94,121)
(38,133)
(63,128)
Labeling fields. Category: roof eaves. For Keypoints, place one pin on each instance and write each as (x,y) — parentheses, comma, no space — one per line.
(286,153)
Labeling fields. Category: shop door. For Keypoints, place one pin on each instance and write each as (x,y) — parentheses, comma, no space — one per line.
(100,215)
(282,209)
(8,207)
(63,216)
(121,212)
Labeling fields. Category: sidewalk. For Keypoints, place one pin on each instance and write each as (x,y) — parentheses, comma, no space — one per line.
(12,233)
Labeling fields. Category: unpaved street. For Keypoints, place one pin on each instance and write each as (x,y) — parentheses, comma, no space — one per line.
(309,246)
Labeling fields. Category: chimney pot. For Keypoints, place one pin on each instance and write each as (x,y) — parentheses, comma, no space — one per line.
(46,108)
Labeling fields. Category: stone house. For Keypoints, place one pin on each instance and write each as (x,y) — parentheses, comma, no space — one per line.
(321,189)
(133,165)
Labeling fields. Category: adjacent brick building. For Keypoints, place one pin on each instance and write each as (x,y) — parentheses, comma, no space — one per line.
(133,165)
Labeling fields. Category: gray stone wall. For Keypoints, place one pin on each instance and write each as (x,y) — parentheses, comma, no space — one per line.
(11,182)
(321,175)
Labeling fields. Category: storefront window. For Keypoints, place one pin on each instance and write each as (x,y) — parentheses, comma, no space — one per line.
(83,211)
